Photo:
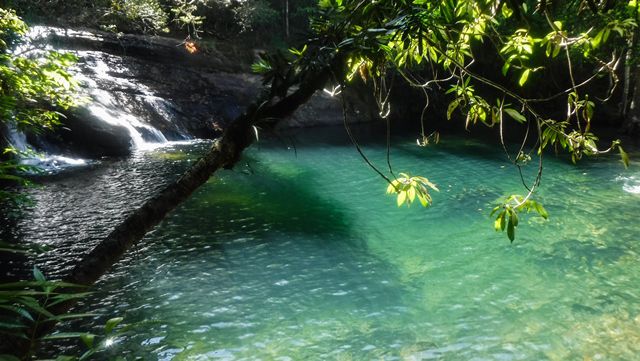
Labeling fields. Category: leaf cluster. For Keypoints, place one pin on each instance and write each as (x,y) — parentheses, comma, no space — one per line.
(507,213)
(408,188)
(24,305)
(34,86)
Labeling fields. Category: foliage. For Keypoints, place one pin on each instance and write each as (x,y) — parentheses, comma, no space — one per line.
(255,15)
(145,16)
(33,87)
(25,306)
(409,188)
(261,21)
(507,213)
(141,16)
(440,44)
(27,303)
(184,14)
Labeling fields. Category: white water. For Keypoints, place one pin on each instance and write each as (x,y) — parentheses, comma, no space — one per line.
(630,184)
(104,105)
(46,162)
(91,72)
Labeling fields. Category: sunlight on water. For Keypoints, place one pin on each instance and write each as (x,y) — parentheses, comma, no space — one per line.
(631,184)
(301,256)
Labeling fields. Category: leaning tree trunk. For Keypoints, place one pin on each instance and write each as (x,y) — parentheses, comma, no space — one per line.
(630,103)
(224,153)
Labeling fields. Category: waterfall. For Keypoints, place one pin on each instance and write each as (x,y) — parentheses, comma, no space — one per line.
(143,136)
(104,105)
(109,93)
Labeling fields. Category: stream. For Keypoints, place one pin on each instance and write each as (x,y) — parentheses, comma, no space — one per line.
(298,254)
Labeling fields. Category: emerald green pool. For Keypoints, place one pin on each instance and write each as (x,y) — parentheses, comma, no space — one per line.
(302,256)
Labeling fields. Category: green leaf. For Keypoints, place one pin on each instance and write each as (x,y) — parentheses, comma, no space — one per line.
(38,275)
(452,106)
(72,316)
(10,325)
(412,194)
(595,42)
(624,157)
(499,223)
(88,339)
(392,187)
(511,231)
(515,115)
(423,200)
(33,304)
(524,77)
(64,335)
(505,68)
(506,11)
(19,310)
(541,211)
(513,218)
(112,323)
(503,221)
(402,195)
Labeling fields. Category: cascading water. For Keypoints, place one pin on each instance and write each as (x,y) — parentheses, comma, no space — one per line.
(104,105)
(49,163)
(109,95)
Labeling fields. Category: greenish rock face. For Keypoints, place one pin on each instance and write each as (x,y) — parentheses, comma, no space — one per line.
(304,257)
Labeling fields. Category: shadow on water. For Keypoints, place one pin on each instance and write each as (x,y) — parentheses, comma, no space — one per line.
(284,200)
(254,258)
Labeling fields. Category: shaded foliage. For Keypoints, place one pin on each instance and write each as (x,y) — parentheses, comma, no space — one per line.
(34,85)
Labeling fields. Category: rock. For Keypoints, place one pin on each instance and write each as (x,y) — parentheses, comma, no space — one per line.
(85,134)
(154,90)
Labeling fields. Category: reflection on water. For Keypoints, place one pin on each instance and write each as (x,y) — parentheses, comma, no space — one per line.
(302,256)
(76,208)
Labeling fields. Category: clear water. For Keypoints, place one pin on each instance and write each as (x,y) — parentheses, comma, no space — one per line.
(301,256)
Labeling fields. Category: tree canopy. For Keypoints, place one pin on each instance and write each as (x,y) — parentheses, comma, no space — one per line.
(444,46)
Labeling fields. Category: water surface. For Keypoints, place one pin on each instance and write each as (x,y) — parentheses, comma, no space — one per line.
(299,255)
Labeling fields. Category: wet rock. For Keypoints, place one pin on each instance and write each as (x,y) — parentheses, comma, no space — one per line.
(85,134)
(156,87)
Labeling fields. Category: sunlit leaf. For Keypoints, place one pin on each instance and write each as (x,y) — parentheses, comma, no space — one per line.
(524,77)
(624,157)
(516,115)
(402,196)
